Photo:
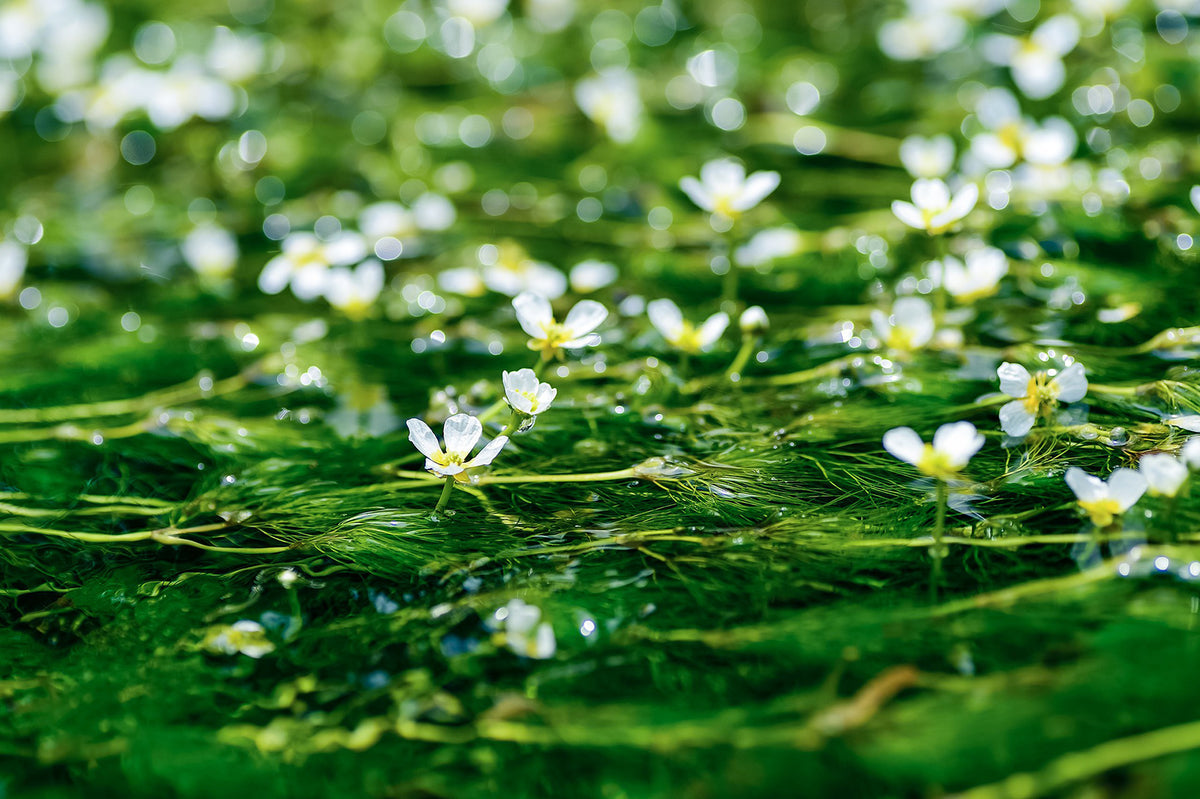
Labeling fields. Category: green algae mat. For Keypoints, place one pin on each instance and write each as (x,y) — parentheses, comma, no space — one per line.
(464,398)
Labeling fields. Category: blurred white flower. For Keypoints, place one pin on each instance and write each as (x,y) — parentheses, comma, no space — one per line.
(243,637)
(513,272)
(1189,453)
(461,432)
(768,245)
(479,13)
(932,208)
(184,91)
(1104,501)
(683,335)
(525,394)
(754,321)
(1105,9)
(953,447)
(306,259)
(589,276)
(211,251)
(463,280)
(13,259)
(611,100)
(909,327)
(1010,137)
(1036,60)
(354,291)
(1165,474)
(433,212)
(927,158)
(235,56)
(524,631)
(1036,395)
(921,34)
(725,191)
(979,277)
(547,336)
(388,220)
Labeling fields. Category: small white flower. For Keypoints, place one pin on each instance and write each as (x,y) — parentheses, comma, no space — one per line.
(1036,60)
(464,280)
(978,278)
(681,334)
(1190,453)
(524,631)
(768,245)
(510,271)
(306,259)
(611,100)
(211,251)
(933,209)
(479,13)
(547,336)
(235,56)
(13,260)
(909,327)
(243,637)
(433,212)
(1036,395)
(387,220)
(920,35)
(1104,501)
(724,190)
(525,394)
(754,321)
(953,447)
(1010,137)
(589,276)
(353,292)
(927,158)
(461,432)
(1165,474)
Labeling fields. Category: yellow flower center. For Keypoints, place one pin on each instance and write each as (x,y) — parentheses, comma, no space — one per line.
(723,205)
(1101,511)
(553,337)
(936,464)
(1010,135)
(531,397)
(900,338)
(1041,395)
(688,339)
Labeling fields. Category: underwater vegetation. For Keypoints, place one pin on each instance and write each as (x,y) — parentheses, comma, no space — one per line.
(461,398)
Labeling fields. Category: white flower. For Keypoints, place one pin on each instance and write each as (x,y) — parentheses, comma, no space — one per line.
(211,251)
(724,190)
(927,158)
(1104,501)
(525,394)
(464,280)
(1036,60)
(1165,474)
(932,208)
(461,432)
(952,448)
(479,13)
(588,276)
(242,637)
(921,35)
(1105,9)
(13,259)
(306,259)
(525,632)
(978,278)
(753,320)
(353,292)
(433,212)
(536,318)
(1036,395)
(909,327)
(1009,137)
(235,56)
(611,100)
(1190,453)
(509,270)
(681,334)
(767,245)
(387,220)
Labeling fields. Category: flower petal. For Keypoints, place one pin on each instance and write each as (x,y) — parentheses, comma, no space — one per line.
(957,441)
(1015,420)
(1087,488)
(488,453)
(930,194)
(904,443)
(696,192)
(534,313)
(1014,379)
(1072,383)
(757,187)
(1165,474)
(712,329)
(666,318)
(585,317)
(908,214)
(460,433)
(423,438)
(1126,486)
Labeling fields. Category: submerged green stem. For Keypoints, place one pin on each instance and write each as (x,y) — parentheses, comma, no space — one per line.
(444,500)
(939,530)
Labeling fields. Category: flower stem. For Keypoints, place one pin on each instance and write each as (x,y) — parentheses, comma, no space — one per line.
(443,501)
(729,285)
(939,530)
(749,344)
